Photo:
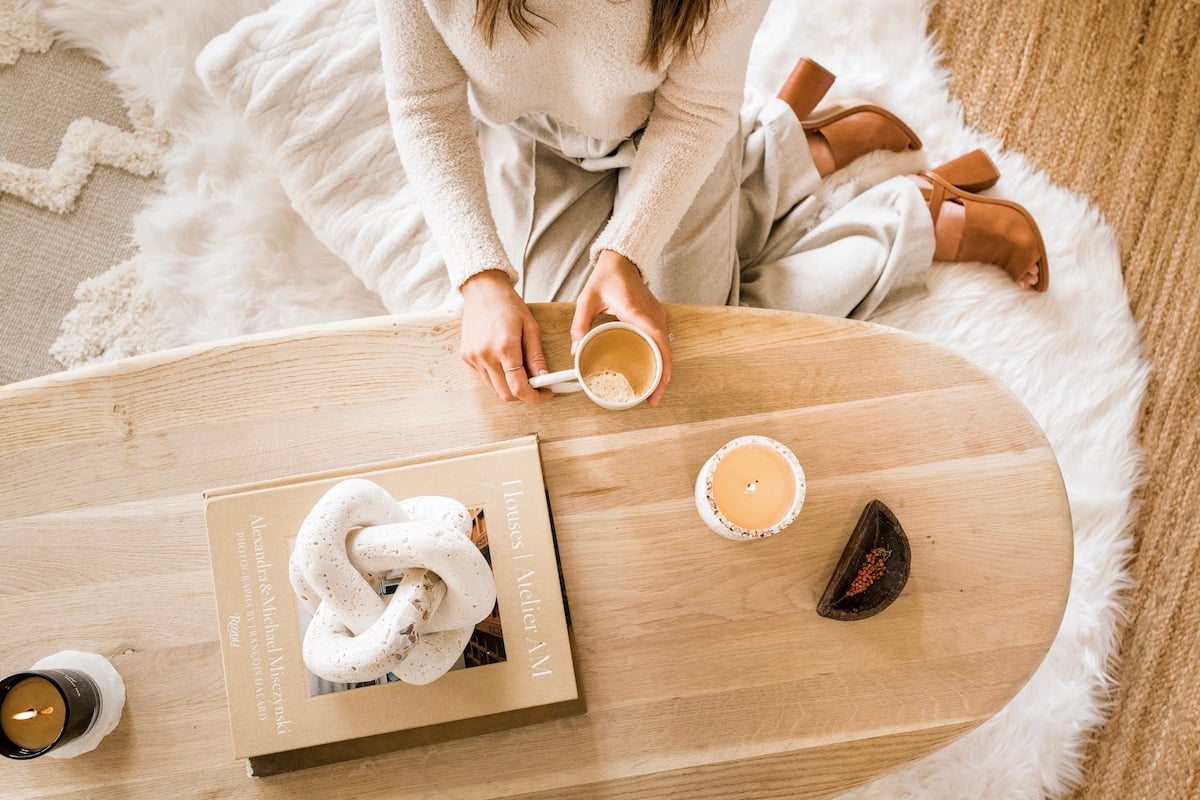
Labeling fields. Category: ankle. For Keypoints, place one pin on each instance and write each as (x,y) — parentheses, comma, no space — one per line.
(856,131)
(948,224)
(948,232)
(822,155)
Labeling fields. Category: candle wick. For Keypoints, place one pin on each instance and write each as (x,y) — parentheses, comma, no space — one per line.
(751,487)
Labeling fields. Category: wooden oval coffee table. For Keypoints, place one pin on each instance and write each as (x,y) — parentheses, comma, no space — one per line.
(706,670)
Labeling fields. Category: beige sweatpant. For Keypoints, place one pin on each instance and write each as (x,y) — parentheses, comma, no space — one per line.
(750,238)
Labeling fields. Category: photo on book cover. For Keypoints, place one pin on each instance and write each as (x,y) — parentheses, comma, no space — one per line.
(486,645)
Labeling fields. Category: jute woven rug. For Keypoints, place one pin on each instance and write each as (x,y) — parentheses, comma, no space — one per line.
(1104,97)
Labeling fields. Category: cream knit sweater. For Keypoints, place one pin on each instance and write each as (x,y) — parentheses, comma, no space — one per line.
(583,69)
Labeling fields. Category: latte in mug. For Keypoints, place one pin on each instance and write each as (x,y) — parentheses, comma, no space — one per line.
(617,365)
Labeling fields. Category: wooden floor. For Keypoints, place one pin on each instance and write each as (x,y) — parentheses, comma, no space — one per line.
(1104,96)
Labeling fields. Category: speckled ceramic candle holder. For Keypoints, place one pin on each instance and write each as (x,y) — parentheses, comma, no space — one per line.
(711,513)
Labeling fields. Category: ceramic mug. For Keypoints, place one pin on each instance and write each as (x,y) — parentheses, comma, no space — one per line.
(617,365)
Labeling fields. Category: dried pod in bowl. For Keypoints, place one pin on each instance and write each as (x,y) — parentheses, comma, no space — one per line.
(872,570)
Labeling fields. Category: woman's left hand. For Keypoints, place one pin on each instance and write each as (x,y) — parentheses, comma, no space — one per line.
(616,287)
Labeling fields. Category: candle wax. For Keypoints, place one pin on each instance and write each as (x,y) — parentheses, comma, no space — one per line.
(33,714)
(754,486)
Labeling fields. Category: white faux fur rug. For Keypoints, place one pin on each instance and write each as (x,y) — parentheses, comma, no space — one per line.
(223,253)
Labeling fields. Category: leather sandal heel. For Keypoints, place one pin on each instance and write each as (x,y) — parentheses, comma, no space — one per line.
(971,172)
(995,231)
(806,86)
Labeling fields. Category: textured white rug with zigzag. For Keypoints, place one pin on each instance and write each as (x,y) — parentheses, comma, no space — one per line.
(234,245)
(87,143)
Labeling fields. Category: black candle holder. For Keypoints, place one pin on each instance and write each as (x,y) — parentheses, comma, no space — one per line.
(93,696)
(81,700)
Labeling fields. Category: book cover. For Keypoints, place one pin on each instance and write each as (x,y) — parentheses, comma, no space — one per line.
(516,669)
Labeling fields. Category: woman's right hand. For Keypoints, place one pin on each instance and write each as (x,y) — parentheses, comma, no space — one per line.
(616,287)
(500,338)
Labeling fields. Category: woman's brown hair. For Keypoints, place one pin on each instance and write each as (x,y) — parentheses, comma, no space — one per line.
(674,24)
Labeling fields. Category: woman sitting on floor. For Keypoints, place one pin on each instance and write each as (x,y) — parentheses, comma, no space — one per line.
(606,153)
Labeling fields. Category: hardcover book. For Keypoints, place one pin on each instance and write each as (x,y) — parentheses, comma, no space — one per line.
(516,669)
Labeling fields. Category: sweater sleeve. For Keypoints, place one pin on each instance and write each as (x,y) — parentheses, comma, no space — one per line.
(695,112)
(431,120)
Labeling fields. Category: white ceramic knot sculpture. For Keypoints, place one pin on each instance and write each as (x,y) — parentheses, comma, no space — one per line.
(355,535)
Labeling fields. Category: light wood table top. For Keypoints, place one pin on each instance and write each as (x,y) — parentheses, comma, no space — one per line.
(706,670)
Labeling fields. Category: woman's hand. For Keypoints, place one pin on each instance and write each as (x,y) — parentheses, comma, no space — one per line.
(616,287)
(500,338)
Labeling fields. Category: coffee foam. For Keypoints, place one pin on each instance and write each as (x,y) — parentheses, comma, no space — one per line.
(622,353)
(612,387)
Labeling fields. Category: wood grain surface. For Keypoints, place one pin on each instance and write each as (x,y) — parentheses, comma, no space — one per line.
(705,668)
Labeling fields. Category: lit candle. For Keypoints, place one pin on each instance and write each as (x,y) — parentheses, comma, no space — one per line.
(62,706)
(750,488)
(33,714)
